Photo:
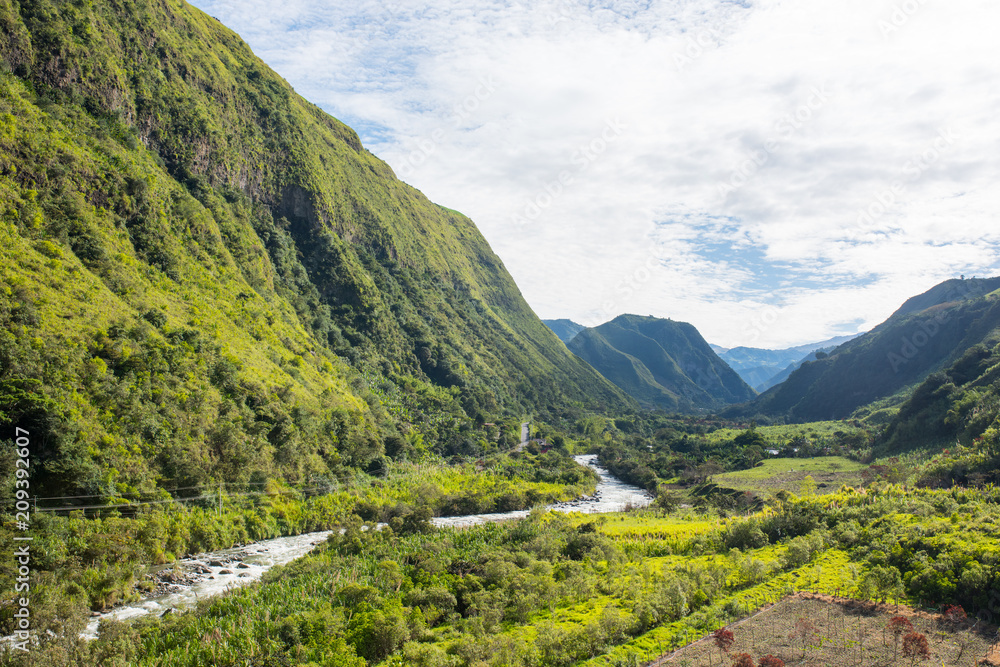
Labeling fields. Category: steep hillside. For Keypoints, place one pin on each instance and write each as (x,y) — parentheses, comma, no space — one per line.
(205,277)
(898,354)
(564,329)
(960,403)
(949,291)
(759,367)
(661,363)
(777,379)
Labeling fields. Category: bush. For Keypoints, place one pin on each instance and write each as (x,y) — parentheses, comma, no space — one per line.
(745,535)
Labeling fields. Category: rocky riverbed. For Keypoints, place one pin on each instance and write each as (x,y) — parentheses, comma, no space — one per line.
(183,583)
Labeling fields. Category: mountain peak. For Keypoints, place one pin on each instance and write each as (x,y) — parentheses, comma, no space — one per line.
(949,291)
(661,362)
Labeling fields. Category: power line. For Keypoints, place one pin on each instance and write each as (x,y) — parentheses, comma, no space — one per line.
(70,508)
(180,488)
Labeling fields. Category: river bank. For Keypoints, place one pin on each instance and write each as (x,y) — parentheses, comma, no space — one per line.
(191,579)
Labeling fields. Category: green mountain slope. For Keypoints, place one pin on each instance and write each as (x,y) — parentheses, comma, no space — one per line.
(564,329)
(205,277)
(959,403)
(934,330)
(661,363)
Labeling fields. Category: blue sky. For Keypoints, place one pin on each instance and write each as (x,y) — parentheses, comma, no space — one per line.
(774,172)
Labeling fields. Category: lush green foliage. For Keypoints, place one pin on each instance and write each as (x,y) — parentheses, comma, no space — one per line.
(662,363)
(208,282)
(674,457)
(556,590)
(98,561)
(828,473)
(205,278)
(929,332)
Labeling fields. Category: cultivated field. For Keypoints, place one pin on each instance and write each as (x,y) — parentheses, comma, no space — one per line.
(841,632)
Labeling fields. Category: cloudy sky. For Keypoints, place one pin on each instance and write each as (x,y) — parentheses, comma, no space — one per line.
(775,172)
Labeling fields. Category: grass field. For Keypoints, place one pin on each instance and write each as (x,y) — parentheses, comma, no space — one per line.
(782,433)
(829,473)
(846,633)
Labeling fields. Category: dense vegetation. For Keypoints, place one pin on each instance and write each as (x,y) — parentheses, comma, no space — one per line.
(671,455)
(554,590)
(207,279)
(224,320)
(98,561)
(662,363)
(930,332)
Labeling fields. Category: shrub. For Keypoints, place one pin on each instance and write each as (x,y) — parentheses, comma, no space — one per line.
(915,647)
(898,625)
(745,535)
(724,639)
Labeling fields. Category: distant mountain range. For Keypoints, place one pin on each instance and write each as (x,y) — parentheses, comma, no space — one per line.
(564,329)
(928,333)
(762,369)
(661,363)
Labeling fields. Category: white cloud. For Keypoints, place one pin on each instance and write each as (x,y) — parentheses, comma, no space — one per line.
(810,112)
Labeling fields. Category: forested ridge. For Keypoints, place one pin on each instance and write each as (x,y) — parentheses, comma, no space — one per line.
(206,278)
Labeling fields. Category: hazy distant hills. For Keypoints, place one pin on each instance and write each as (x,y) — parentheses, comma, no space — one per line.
(762,369)
(661,363)
(564,329)
(928,333)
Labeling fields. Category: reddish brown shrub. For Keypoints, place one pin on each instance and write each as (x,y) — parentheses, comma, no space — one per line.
(723,639)
(915,647)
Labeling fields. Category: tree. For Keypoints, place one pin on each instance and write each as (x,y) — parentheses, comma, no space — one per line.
(881,583)
(743,660)
(771,661)
(804,632)
(724,640)
(915,647)
(898,625)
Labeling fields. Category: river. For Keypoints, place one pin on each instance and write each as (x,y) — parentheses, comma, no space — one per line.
(213,573)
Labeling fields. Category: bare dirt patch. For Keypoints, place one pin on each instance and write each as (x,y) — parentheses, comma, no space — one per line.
(808,630)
